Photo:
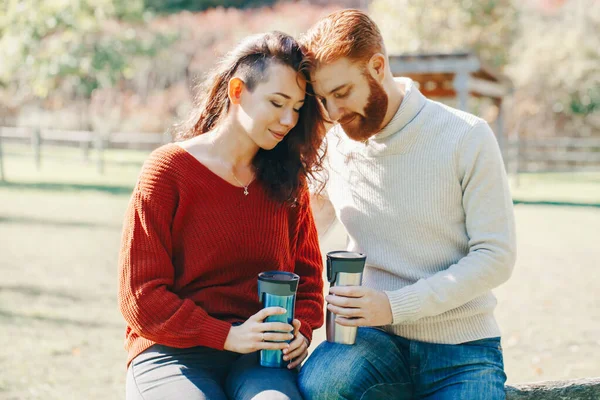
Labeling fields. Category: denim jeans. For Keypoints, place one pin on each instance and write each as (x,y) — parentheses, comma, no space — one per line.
(200,373)
(384,366)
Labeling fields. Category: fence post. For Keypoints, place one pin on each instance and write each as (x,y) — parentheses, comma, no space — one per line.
(1,159)
(36,144)
(100,144)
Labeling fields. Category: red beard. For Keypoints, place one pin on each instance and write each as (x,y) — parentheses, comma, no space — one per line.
(359,127)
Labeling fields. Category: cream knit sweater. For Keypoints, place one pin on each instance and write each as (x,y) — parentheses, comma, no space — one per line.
(427,200)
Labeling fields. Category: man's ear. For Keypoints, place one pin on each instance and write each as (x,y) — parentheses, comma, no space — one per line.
(234,90)
(377,66)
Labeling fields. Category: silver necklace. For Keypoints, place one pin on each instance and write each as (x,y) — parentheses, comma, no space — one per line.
(240,183)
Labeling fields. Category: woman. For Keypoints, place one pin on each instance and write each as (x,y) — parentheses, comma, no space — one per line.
(208,214)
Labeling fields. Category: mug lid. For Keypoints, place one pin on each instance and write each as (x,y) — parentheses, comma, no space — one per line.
(279,283)
(346,255)
(278,276)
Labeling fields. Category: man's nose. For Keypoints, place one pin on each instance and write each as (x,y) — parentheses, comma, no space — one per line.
(334,111)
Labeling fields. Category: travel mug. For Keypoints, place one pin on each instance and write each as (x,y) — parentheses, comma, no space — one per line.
(277,289)
(344,268)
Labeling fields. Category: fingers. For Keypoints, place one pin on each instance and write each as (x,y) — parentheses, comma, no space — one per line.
(297,347)
(348,291)
(274,326)
(297,351)
(272,345)
(298,360)
(340,301)
(296,323)
(267,312)
(351,321)
(277,336)
(345,312)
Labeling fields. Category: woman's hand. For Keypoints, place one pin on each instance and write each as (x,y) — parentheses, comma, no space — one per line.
(298,349)
(254,335)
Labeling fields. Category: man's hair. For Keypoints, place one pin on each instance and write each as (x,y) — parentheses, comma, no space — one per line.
(345,33)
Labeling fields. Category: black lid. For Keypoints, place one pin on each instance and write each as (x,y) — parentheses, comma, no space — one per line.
(278,276)
(344,261)
(346,255)
(278,282)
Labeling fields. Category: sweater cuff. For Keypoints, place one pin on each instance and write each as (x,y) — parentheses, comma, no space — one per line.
(405,304)
(215,333)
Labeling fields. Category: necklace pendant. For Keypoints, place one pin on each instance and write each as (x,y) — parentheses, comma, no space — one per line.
(245,191)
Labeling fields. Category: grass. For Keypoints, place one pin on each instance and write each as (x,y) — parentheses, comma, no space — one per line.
(60,229)
(565,187)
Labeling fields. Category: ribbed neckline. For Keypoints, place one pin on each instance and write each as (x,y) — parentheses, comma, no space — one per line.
(395,137)
(202,171)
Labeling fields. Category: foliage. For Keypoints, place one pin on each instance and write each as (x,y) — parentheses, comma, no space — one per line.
(554,63)
(76,46)
(410,26)
(172,6)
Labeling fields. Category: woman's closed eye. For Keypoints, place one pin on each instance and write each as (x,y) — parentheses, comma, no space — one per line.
(275,104)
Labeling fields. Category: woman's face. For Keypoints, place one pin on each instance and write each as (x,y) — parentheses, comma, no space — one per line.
(269,112)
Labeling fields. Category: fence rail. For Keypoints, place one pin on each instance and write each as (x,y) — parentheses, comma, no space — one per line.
(552,154)
(522,155)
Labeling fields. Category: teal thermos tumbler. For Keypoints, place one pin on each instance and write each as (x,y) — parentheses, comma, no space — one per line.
(277,289)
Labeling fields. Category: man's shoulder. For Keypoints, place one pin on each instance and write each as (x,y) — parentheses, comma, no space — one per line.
(446,113)
(449,122)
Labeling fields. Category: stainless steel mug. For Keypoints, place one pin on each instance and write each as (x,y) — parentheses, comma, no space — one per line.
(344,268)
(277,289)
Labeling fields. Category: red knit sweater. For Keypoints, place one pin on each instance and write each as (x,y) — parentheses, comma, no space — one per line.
(192,247)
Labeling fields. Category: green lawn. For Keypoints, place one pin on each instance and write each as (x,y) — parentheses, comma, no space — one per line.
(60,229)
(65,169)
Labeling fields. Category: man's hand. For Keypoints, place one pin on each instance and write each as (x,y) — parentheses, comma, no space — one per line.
(359,306)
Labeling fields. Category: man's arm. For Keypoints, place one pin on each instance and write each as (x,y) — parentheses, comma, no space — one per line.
(490,226)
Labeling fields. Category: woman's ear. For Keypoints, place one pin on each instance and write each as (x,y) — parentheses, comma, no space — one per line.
(235,90)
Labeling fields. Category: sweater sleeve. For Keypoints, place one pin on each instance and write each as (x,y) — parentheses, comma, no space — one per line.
(490,227)
(309,266)
(146,301)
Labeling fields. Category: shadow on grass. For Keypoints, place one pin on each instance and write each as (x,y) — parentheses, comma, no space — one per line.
(35,291)
(556,203)
(64,187)
(11,316)
(53,223)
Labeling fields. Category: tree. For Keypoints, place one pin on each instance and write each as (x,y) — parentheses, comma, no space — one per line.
(410,26)
(554,64)
(71,46)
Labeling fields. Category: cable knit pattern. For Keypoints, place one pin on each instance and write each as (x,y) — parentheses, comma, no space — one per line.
(427,200)
(192,247)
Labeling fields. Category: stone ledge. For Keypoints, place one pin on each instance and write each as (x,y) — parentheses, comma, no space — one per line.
(576,389)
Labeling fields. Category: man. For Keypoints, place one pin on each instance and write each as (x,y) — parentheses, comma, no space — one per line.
(421,190)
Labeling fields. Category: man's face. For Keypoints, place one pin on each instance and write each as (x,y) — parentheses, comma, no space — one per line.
(351,97)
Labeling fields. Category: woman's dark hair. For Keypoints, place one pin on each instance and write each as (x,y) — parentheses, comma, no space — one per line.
(285,169)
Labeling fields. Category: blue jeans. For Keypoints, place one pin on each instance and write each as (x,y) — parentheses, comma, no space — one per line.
(200,373)
(384,366)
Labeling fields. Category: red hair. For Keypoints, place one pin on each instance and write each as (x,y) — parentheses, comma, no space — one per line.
(346,33)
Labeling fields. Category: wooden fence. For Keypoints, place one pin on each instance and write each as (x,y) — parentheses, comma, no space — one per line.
(85,140)
(523,155)
(553,154)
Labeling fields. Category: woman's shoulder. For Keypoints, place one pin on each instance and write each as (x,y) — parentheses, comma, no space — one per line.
(162,167)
